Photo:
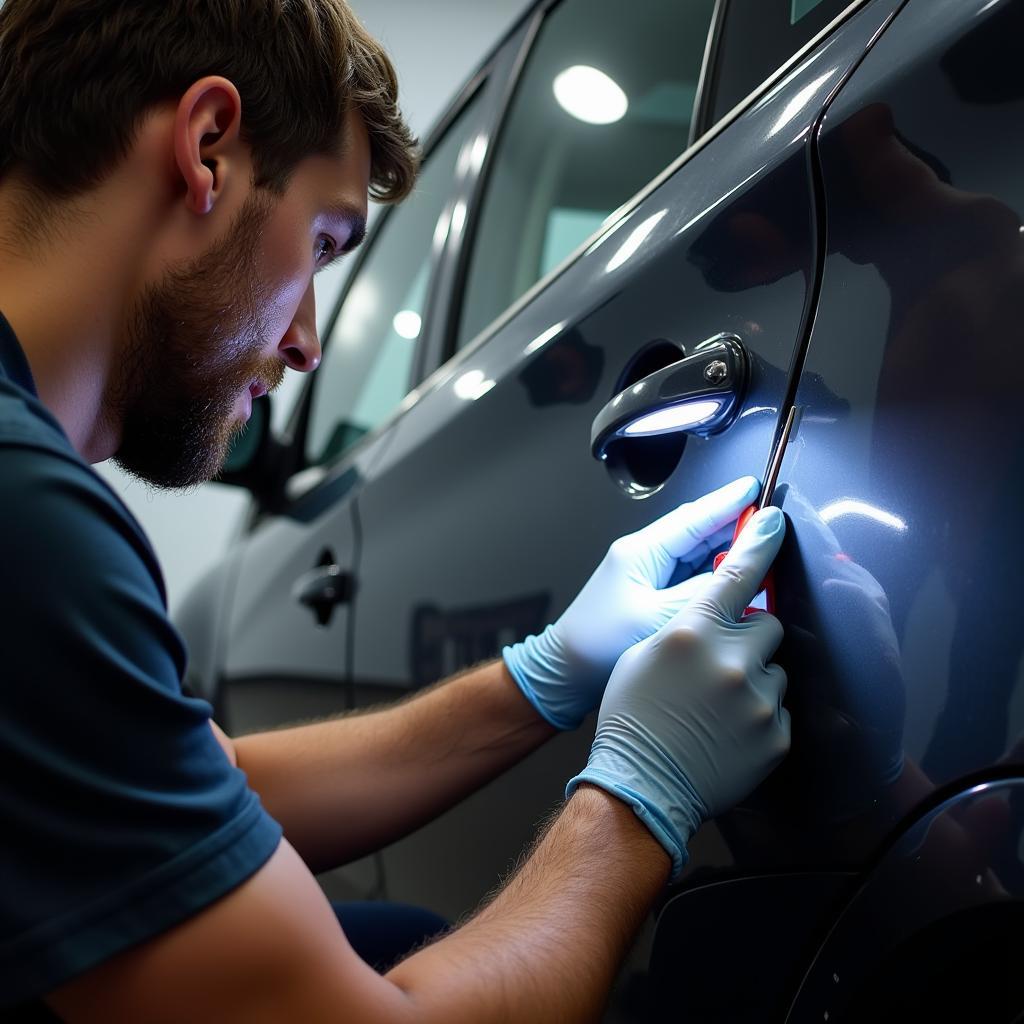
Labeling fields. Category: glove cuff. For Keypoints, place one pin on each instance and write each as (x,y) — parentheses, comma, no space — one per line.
(659,824)
(537,667)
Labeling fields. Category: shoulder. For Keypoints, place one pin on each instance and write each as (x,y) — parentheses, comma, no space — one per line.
(52,502)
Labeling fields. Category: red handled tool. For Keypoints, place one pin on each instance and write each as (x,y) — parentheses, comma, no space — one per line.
(763,501)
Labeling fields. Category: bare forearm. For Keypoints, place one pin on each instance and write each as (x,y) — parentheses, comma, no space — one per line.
(351,785)
(549,946)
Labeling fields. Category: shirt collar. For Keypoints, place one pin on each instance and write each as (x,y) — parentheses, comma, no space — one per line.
(13,363)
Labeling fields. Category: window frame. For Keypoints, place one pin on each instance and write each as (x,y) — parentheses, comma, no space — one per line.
(703,133)
(711,84)
(702,104)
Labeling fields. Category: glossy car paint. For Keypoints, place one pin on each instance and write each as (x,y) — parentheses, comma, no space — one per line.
(858,227)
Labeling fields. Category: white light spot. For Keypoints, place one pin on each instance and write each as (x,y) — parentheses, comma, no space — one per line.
(441,229)
(676,417)
(472,385)
(590,95)
(478,153)
(851,507)
(459,216)
(542,339)
(635,240)
(407,324)
(796,106)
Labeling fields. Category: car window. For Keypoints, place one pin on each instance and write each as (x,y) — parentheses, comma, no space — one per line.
(605,102)
(368,353)
(757,38)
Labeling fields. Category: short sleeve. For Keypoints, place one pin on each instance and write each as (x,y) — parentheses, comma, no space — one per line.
(121,814)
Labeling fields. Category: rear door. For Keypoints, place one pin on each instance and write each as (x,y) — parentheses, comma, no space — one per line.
(486,513)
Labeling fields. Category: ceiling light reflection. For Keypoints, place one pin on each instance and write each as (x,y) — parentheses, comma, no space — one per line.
(472,385)
(635,240)
(795,107)
(407,324)
(852,507)
(590,95)
(459,217)
(542,339)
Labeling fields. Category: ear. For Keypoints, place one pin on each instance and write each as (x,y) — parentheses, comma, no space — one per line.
(207,130)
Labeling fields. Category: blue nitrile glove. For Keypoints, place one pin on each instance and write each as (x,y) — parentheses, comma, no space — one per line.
(693,719)
(563,671)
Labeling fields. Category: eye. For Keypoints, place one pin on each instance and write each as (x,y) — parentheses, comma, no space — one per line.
(324,250)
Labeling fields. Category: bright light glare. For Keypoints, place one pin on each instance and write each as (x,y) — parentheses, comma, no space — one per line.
(472,385)
(542,339)
(676,417)
(851,507)
(636,238)
(459,217)
(407,324)
(590,95)
(796,106)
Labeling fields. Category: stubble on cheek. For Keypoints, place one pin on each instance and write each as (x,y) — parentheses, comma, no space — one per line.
(194,342)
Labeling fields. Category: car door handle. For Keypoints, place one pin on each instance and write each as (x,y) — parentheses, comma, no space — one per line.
(697,395)
(322,589)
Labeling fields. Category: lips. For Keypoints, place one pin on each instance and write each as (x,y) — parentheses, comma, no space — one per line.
(257,389)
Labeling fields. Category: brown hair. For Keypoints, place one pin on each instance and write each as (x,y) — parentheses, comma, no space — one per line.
(76,77)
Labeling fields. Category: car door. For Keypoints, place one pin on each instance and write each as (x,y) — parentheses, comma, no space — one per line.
(486,513)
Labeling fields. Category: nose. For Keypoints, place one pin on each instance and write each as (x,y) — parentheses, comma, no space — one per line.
(300,345)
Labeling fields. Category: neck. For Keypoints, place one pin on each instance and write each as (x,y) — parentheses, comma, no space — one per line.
(65,293)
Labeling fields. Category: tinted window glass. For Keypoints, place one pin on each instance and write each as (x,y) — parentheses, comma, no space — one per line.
(368,355)
(758,37)
(604,104)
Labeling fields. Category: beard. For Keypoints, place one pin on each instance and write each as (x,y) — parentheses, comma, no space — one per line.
(193,342)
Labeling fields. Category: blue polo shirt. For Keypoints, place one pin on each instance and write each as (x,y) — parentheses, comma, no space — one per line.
(120,815)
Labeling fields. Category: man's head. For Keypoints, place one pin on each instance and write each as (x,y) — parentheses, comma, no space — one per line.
(248,132)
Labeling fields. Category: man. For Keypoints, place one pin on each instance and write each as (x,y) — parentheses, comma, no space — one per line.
(171,177)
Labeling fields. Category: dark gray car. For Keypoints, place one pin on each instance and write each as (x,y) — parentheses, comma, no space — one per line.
(837,190)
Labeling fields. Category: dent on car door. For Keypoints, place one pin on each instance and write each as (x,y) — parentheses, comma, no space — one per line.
(487,513)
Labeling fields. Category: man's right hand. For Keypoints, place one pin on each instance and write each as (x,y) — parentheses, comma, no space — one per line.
(692,719)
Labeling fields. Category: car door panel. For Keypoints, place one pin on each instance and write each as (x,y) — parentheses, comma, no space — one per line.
(283,662)
(915,481)
(487,513)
